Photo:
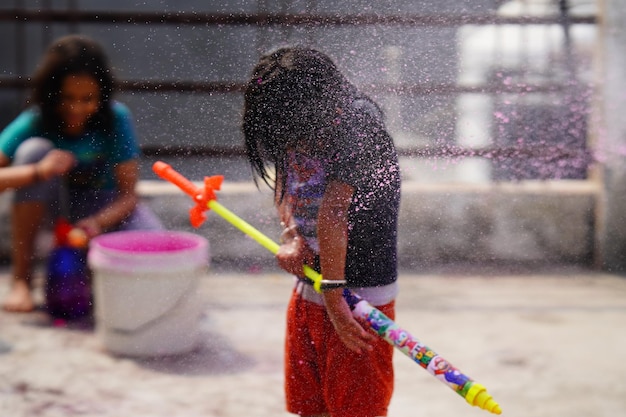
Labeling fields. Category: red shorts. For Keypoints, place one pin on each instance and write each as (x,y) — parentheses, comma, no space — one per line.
(323,376)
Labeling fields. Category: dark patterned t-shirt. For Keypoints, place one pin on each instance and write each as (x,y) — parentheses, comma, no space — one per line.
(364,157)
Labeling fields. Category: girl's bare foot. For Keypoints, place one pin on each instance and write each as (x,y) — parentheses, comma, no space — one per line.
(19,299)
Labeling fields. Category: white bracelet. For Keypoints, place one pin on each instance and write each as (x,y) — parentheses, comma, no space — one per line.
(286,231)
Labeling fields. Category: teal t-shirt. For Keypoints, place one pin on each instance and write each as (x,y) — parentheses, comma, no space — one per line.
(97,152)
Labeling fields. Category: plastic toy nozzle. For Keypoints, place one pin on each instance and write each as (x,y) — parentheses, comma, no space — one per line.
(77,238)
(66,234)
(202,196)
(479,397)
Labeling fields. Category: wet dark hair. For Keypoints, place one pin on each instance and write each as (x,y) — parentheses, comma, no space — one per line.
(72,55)
(292,100)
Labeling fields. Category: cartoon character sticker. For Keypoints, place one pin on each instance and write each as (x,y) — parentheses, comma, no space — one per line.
(378,321)
(421,354)
(447,373)
(399,337)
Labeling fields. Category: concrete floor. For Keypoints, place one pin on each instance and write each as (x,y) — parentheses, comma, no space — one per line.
(546,344)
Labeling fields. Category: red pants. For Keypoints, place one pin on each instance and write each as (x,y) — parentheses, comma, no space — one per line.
(324,376)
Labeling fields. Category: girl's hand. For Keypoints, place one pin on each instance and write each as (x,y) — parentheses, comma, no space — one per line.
(55,163)
(294,253)
(352,334)
(90,226)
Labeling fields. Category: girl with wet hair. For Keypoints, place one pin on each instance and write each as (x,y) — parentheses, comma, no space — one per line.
(323,148)
(73,148)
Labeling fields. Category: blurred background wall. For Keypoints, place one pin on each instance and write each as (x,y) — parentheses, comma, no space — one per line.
(493,104)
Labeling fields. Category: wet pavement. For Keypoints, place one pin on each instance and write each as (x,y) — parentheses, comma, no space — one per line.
(545,344)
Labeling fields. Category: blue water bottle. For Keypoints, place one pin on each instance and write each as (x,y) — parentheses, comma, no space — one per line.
(68,283)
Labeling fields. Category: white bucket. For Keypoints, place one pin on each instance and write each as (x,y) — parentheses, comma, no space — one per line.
(145,297)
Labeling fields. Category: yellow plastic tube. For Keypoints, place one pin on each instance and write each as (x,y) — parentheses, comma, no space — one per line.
(260,238)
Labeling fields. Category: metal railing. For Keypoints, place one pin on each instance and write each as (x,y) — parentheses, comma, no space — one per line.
(73,16)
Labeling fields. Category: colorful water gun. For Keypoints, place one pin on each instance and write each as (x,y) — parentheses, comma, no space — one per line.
(205,198)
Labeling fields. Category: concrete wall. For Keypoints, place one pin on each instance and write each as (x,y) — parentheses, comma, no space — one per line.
(611,134)
(524,223)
